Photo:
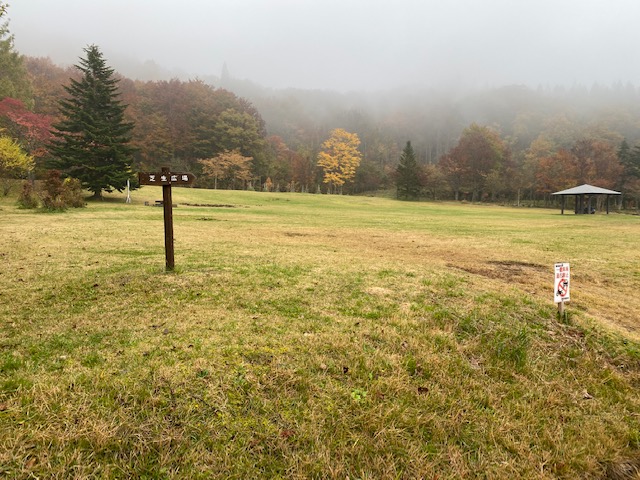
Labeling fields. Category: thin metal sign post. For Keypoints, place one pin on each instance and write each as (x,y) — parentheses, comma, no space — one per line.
(166,178)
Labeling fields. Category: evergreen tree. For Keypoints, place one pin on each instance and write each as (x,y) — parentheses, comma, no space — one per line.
(624,152)
(631,163)
(629,182)
(91,143)
(408,175)
(14,80)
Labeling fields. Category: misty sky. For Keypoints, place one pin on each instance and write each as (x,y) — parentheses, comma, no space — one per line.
(347,44)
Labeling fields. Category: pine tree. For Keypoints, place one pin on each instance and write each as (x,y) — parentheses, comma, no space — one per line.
(629,158)
(92,141)
(408,175)
(629,182)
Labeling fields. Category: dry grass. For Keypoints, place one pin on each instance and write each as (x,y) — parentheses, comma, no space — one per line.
(310,336)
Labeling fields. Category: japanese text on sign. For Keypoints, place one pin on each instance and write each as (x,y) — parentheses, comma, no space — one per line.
(561,283)
(177,179)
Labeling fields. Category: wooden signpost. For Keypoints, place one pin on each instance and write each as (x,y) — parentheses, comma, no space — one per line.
(166,178)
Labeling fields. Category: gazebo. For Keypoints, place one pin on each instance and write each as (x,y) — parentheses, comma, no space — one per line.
(584,194)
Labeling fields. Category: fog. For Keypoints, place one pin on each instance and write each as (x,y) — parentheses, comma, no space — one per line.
(344,45)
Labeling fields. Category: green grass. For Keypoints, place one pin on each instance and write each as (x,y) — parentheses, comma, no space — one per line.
(308,336)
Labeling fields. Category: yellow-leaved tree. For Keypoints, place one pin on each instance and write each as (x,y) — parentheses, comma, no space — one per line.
(228,167)
(339,159)
(14,162)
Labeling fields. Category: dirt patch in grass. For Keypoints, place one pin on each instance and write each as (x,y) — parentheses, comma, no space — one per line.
(210,205)
(506,270)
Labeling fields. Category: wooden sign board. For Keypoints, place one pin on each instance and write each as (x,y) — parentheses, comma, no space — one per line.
(169,178)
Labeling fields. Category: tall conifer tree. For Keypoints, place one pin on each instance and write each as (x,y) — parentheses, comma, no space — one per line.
(408,175)
(92,140)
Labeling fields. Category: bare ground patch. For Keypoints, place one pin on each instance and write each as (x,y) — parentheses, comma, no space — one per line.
(506,270)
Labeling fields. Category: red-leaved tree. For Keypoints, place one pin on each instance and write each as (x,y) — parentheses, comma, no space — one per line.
(31,130)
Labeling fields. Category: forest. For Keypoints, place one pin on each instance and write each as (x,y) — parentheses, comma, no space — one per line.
(510,144)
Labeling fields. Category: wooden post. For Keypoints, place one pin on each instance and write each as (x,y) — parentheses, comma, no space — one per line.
(581,209)
(167,203)
(166,179)
(562,313)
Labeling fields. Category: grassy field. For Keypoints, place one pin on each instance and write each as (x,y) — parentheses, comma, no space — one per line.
(308,336)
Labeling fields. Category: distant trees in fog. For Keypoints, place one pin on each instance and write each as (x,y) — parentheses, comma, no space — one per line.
(511,144)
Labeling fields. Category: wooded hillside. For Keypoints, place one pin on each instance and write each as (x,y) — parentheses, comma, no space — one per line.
(508,144)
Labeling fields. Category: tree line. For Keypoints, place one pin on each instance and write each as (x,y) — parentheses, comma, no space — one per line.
(99,127)
(511,144)
(482,166)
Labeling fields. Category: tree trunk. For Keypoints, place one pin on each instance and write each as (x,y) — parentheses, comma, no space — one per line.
(6,187)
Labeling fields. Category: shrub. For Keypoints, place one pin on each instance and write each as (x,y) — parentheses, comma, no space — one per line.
(58,195)
(27,198)
(72,193)
(52,188)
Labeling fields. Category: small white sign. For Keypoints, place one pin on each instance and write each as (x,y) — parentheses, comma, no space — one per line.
(561,283)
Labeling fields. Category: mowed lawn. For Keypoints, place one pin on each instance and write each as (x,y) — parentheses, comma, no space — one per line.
(315,336)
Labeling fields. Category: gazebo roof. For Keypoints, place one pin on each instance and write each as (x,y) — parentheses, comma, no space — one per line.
(587,189)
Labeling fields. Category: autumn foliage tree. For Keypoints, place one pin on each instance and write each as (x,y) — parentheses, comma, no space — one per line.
(47,83)
(230,168)
(597,162)
(14,162)
(433,181)
(284,166)
(31,130)
(557,171)
(303,171)
(339,159)
(479,151)
(539,149)
(177,123)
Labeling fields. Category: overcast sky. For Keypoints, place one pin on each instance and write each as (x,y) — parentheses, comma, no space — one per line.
(347,44)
